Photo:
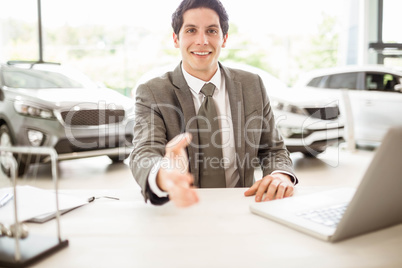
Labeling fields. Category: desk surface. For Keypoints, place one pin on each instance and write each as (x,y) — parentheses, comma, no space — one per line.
(220,231)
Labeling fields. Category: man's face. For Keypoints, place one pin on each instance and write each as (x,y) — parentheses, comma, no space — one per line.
(200,41)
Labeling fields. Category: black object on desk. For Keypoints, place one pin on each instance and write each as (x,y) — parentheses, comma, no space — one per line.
(33,248)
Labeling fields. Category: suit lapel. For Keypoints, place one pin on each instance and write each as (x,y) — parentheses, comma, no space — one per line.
(234,89)
(187,104)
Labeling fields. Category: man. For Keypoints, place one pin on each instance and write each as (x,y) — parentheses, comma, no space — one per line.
(178,146)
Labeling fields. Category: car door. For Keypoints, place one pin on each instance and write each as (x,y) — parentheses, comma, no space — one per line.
(382,103)
(352,82)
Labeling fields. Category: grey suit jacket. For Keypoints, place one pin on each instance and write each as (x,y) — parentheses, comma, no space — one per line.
(165,108)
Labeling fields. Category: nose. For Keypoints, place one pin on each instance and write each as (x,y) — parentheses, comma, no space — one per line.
(202,39)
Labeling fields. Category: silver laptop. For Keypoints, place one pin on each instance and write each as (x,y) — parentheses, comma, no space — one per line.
(342,213)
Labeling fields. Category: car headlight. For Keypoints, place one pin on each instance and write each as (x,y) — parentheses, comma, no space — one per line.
(286,107)
(33,110)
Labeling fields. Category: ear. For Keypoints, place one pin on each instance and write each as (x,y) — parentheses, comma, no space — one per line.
(225,38)
(176,40)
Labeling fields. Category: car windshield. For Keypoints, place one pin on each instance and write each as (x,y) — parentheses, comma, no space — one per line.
(44,77)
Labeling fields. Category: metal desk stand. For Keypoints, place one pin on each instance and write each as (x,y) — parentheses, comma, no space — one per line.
(21,252)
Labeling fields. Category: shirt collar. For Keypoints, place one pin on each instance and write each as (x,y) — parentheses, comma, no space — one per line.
(196,84)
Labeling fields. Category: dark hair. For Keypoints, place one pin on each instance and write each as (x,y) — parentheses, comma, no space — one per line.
(215,5)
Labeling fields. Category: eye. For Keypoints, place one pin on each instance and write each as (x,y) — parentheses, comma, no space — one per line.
(212,31)
(190,30)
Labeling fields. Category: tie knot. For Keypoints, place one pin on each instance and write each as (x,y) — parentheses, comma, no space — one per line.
(208,89)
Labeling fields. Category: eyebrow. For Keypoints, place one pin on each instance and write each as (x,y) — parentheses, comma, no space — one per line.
(194,26)
(189,26)
(214,25)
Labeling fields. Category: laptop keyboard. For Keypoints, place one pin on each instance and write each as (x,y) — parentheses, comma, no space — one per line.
(329,216)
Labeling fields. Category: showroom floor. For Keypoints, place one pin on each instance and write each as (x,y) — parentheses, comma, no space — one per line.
(335,167)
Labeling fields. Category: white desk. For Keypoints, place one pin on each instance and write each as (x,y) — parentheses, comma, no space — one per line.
(220,231)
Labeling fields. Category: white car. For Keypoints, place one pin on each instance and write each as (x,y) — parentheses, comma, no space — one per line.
(374,91)
(307,124)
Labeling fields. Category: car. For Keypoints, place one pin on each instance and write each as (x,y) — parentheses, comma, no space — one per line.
(52,105)
(374,93)
(308,124)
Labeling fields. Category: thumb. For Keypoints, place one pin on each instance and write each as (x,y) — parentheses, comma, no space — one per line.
(178,144)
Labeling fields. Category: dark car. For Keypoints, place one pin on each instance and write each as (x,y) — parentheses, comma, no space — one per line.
(43,104)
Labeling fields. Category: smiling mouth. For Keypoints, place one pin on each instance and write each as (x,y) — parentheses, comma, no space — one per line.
(201,53)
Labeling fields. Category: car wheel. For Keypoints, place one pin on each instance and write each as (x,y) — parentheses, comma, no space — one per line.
(118,158)
(6,141)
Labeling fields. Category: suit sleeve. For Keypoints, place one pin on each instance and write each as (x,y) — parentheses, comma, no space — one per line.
(149,142)
(272,151)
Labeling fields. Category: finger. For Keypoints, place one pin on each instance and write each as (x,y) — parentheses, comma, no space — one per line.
(184,197)
(177,179)
(262,189)
(289,191)
(251,191)
(280,190)
(185,181)
(272,189)
(168,178)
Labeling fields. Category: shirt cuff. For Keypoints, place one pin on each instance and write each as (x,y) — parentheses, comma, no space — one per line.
(292,177)
(152,180)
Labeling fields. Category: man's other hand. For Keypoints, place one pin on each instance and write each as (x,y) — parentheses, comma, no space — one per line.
(275,186)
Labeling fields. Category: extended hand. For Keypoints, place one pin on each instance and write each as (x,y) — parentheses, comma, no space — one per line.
(173,176)
(275,186)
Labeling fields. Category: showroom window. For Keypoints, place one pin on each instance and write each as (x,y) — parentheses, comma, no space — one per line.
(315,82)
(381,82)
(116,42)
(391,15)
(346,80)
(388,45)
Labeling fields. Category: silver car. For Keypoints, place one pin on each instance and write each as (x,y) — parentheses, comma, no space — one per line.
(44,104)
(374,91)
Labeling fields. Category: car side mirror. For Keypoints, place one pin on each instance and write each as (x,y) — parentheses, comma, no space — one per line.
(398,87)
